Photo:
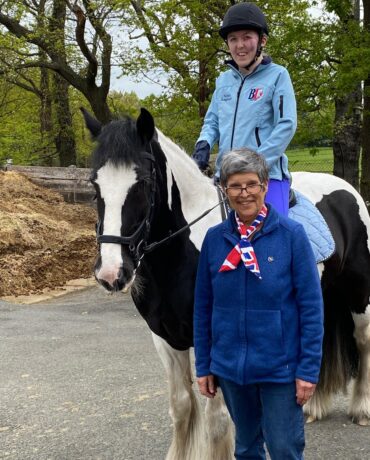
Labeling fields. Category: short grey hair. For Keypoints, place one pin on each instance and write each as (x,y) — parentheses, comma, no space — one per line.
(243,161)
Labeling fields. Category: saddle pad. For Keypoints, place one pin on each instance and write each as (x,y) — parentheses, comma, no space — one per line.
(317,230)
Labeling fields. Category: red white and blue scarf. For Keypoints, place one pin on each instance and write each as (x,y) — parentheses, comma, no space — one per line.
(244,250)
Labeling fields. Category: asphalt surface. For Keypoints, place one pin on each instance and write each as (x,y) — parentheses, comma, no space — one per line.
(80,379)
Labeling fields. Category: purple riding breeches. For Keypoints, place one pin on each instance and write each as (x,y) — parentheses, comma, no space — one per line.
(278,195)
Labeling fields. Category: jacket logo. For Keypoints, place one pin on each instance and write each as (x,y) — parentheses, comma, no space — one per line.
(255,94)
(226,97)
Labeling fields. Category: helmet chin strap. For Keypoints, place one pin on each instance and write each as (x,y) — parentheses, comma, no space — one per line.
(257,55)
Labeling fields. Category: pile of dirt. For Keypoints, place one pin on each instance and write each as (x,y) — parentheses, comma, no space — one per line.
(44,241)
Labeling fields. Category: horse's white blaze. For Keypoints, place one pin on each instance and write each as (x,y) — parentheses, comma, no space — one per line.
(196,190)
(315,185)
(114,183)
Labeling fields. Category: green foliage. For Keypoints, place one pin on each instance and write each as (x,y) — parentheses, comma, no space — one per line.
(119,103)
(20,137)
(342,8)
(176,117)
(124,103)
(352,49)
(84,144)
(315,128)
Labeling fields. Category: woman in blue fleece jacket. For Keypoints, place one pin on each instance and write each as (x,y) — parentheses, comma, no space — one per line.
(258,315)
(253,105)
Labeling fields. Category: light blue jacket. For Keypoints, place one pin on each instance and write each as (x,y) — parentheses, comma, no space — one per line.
(257,111)
(252,330)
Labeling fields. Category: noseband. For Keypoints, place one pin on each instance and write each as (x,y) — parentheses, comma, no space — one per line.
(138,240)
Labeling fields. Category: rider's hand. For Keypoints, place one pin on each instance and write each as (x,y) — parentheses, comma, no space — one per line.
(201,155)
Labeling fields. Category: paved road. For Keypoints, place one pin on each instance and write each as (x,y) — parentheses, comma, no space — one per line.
(79,379)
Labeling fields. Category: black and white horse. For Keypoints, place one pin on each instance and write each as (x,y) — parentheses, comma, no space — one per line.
(148,188)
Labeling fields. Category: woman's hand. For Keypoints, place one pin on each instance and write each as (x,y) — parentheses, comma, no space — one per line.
(304,391)
(207,386)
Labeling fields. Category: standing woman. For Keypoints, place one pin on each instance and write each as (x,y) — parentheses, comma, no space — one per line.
(253,105)
(258,315)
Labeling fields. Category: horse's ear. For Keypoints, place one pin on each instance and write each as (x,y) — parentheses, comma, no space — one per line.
(92,124)
(145,125)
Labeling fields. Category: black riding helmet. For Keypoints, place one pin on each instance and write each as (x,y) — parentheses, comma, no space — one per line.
(243,16)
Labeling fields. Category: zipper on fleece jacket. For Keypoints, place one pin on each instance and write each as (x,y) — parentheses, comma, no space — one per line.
(257,136)
(233,67)
(236,110)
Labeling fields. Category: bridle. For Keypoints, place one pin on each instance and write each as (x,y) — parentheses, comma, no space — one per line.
(138,242)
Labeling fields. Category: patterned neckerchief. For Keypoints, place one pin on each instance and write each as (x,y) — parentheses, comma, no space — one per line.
(244,250)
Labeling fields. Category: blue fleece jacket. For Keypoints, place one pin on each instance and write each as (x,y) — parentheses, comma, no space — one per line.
(257,111)
(249,330)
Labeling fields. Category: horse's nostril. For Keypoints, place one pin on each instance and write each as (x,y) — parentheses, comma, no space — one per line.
(117,286)
(106,285)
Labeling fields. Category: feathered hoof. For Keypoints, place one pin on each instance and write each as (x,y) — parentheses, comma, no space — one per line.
(362,420)
(311,419)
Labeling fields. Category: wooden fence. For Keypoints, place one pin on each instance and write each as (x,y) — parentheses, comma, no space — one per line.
(73,183)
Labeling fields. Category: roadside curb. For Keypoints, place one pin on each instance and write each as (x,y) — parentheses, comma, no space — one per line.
(47,294)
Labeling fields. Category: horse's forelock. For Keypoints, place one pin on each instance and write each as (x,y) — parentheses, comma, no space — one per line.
(118,143)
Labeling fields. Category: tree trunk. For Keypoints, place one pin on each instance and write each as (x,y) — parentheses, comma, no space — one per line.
(65,138)
(347,137)
(45,113)
(202,97)
(203,74)
(99,104)
(365,162)
(46,124)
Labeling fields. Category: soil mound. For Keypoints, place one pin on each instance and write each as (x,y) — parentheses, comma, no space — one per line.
(44,241)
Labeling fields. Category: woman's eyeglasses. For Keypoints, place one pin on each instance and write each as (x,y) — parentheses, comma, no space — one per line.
(235,190)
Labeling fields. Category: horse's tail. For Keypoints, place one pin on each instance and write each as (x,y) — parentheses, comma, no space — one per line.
(340,353)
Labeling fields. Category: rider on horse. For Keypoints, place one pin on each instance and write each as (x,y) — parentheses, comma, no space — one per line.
(253,105)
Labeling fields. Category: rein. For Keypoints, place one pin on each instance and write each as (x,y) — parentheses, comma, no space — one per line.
(152,246)
(139,248)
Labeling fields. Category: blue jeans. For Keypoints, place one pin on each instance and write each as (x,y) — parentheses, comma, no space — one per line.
(265,413)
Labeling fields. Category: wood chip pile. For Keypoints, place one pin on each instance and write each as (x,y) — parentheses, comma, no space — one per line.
(44,241)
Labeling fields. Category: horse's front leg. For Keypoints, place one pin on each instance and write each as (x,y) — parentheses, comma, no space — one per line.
(360,403)
(319,405)
(189,437)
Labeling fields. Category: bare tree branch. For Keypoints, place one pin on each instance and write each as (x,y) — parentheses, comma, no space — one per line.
(80,37)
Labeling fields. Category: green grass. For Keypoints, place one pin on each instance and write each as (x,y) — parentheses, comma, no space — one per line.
(303,160)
